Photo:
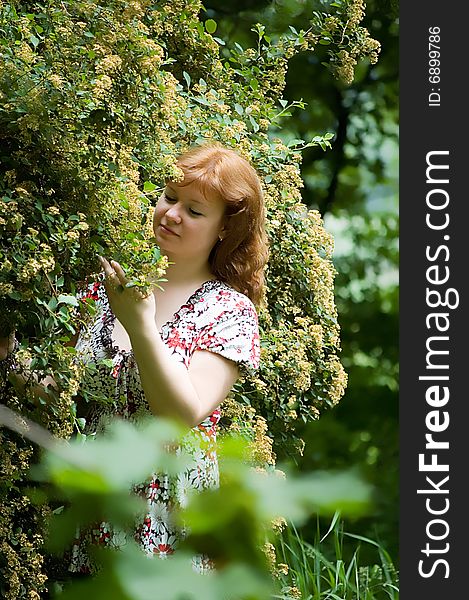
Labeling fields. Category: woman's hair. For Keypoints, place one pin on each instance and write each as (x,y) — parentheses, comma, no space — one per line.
(239,259)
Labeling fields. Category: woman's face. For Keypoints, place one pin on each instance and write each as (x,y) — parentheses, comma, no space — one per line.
(186,223)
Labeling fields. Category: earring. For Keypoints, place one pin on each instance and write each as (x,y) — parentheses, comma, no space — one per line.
(220,238)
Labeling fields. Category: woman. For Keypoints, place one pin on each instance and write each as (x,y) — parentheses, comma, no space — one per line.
(177,353)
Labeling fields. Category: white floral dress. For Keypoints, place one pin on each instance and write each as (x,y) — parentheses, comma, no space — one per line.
(215,318)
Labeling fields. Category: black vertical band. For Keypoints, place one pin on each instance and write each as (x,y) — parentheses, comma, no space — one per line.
(434,195)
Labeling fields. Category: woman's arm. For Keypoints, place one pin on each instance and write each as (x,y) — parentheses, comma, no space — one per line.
(170,389)
(174,391)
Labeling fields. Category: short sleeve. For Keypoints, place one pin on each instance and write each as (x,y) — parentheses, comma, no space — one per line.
(234,334)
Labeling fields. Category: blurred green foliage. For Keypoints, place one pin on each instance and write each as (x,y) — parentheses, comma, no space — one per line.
(230,524)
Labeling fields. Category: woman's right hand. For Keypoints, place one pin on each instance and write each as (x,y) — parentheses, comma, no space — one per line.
(6,345)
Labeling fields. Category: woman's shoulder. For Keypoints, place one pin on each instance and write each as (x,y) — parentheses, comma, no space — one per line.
(220,294)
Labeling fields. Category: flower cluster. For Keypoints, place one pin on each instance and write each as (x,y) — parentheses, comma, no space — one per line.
(351,42)
(44,262)
(355,11)
(26,566)
(261,445)
(293,592)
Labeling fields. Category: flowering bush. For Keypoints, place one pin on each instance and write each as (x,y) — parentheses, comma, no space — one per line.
(97,99)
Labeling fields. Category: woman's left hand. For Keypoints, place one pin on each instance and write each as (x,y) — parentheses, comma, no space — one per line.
(134,310)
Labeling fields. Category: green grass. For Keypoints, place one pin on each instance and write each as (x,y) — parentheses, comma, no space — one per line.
(330,569)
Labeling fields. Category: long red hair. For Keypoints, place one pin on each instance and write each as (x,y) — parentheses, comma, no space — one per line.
(240,257)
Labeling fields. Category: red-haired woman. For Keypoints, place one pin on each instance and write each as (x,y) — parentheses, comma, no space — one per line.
(177,353)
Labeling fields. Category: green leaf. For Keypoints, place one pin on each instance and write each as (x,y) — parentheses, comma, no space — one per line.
(107,465)
(148,186)
(187,77)
(210,25)
(52,304)
(295,142)
(254,124)
(254,84)
(67,299)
